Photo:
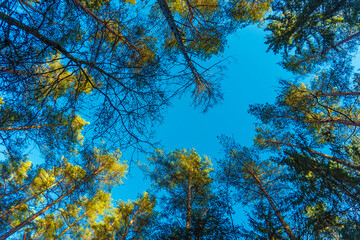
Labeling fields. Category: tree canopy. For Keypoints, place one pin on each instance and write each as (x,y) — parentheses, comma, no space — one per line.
(82,80)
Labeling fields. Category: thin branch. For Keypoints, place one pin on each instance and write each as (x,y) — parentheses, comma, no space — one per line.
(123,38)
(340,161)
(11,21)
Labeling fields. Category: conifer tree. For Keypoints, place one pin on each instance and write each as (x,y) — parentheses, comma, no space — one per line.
(255,180)
(190,207)
(34,208)
(310,33)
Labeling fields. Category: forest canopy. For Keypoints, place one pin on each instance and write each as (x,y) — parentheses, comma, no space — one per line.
(83,80)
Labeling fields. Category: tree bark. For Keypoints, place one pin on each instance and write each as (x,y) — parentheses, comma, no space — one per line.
(349,38)
(337,94)
(72,224)
(133,219)
(30,198)
(15,191)
(354,123)
(27,127)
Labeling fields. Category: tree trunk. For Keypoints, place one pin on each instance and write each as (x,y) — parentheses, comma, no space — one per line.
(273,206)
(188,211)
(30,198)
(174,29)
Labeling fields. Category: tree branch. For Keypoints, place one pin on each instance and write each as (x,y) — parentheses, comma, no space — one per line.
(123,38)
(201,84)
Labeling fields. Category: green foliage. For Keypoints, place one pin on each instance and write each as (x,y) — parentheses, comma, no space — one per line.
(95,5)
(311,128)
(309,33)
(180,166)
(191,208)
(263,224)
(249,11)
(256,182)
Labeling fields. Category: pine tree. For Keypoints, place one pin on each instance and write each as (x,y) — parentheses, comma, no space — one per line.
(254,180)
(190,207)
(309,33)
(33,208)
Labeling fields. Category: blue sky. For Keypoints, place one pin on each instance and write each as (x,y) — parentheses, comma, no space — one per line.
(252,76)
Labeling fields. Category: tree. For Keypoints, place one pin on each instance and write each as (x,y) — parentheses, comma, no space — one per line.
(312,127)
(128,220)
(253,180)
(191,209)
(309,33)
(52,189)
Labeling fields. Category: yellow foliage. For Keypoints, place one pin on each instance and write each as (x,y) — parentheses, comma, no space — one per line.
(43,180)
(73,172)
(19,173)
(183,9)
(56,80)
(296,95)
(309,175)
(253,11)
(94,5)
(311,211)
(77,125)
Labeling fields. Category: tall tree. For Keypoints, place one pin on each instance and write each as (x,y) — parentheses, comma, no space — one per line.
(254,180)
(191,209)
(312,126)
